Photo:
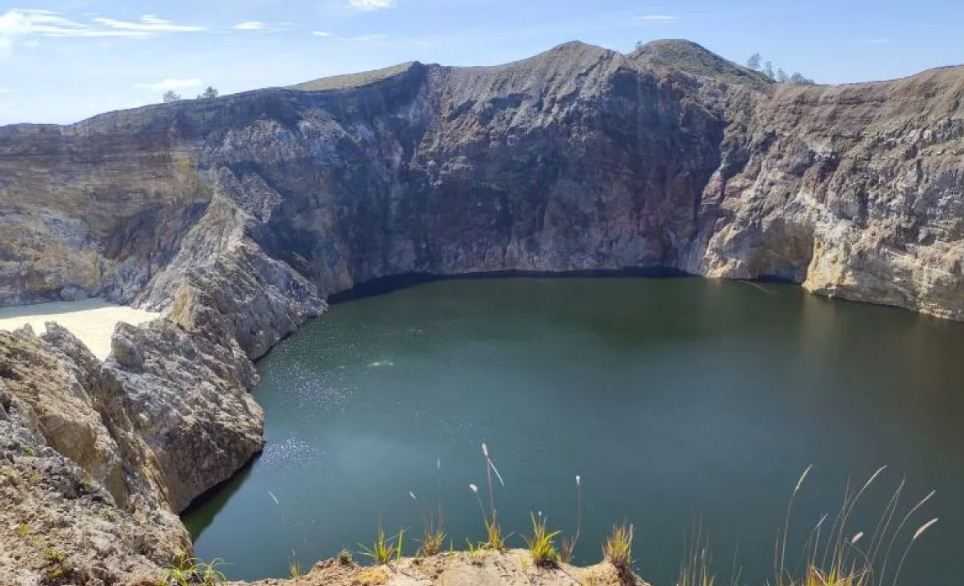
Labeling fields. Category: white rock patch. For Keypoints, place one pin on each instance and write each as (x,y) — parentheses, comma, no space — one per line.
(91,320)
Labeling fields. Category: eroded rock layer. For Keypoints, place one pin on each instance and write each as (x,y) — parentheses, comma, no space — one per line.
(579,158)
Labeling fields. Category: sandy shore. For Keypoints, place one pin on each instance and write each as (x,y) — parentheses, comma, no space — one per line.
(91,320)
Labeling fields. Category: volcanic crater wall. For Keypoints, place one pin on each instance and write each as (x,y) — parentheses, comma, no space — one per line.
(579,158)
(240,215)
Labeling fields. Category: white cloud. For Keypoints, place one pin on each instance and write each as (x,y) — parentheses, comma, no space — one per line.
(250,25)
(18,24)
(371,4)
(657,18)
(148,23)
(170,84)
(3,91)
(358,38)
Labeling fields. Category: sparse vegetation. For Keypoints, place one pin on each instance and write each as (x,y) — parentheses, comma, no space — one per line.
(345,557)
(186,570)
(170,96)
(494,539)
(755,62)
(841,558)
(384,550)
(618,549)
(835,559)
(433,540)
(696,569)
(58,568)
(542,544)
(23,530)
(294,567)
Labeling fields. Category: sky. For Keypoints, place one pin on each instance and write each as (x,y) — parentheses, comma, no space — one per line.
(64,60)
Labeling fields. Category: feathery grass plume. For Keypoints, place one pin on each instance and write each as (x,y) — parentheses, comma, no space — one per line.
(900,528)
(920,531)
(475,491)
(567,548)
(489,469)
(844,562)
(837,537)
(618,549)
(813,540)
(541,544)
(384,550)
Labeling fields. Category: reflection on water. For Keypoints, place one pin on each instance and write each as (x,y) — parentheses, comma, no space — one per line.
(674,399)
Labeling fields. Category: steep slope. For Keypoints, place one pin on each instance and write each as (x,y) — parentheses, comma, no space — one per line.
(577,158)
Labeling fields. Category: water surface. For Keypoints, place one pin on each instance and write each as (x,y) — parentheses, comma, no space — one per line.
(678,401)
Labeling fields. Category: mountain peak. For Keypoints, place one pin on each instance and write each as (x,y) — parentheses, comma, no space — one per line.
(695,59)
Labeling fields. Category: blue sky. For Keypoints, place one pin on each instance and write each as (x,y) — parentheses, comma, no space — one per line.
(64,60)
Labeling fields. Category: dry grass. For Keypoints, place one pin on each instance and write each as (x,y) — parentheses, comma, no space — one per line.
(696,569)
(618,549)
(433,539)
(846,558)
(494,538)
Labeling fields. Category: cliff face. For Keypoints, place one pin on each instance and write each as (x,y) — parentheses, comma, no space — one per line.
(240,215)
(579,158)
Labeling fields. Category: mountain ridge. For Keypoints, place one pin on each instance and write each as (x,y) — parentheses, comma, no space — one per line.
(658,49)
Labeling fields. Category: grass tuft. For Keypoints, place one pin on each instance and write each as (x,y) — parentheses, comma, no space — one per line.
(294,567)
(542,544)
(494,538)
(433,540)
(383,549)
(618,549)
(186,570)
(345,558)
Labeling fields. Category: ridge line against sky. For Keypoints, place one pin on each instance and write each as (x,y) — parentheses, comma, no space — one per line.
(65,60)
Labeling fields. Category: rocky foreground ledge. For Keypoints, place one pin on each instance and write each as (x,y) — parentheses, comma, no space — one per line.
(484,568)
(237,217)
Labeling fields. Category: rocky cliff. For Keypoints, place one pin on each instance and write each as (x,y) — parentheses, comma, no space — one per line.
(578,158)
(238,216)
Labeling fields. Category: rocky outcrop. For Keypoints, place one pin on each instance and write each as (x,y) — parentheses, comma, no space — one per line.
(239,216)
(481,568)
(97,458)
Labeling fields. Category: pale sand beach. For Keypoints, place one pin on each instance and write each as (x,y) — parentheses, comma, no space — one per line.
(91,320)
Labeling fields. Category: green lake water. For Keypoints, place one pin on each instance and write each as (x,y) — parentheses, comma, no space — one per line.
(679,401)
